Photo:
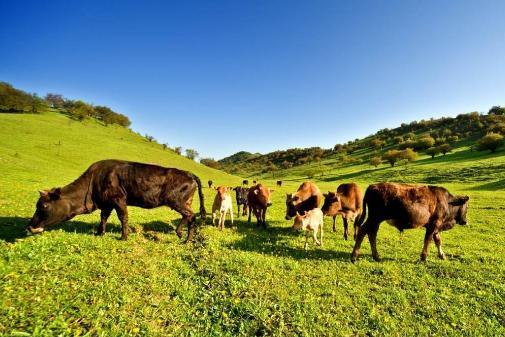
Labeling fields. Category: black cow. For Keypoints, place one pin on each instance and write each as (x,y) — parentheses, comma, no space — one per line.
(279,183)
(241,196)
(245,182)
(116,184)
(210,183)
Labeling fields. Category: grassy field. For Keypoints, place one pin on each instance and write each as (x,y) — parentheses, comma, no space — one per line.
(241,281)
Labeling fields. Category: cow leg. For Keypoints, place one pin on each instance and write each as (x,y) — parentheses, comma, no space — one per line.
(238,210)
(438,243)
(334,219)
(220,224)
(122,214)
(362,231)
(188,217)
(249,219)
(231,216)
(264,217)
(321,233)
(427,240)
(306,240)
(104,215)
(244,210)
(372,237)
(346,227)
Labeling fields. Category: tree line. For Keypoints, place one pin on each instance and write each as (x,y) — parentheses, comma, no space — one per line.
(14,100)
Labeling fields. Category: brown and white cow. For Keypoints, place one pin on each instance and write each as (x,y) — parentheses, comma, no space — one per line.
(307,197)
(258,199)
(222,205)
(310,222)
(347,202)
(409,206)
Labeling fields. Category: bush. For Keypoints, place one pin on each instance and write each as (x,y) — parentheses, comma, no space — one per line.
(491,141)
(191,154)
(391,156)
(408,155)
(445,148)
(375,161)
(433,151)
(424,143)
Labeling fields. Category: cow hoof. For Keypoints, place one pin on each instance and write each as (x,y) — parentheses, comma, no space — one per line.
(179,234)
(377,258)
(442,257)
(99,234)
(124,237)
(423,258)
(353,259)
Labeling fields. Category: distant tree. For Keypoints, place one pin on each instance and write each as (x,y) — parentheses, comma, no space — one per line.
(81,110)
(377,143)
(55,100)
(286,164)
(407,144)
(210,162)
(391,156)
(149,138)
(491,141)
(410,136)
(497,110)
(433,151)
(164,146)
(444,148)
(375,161)
(191,154)
(424,143)
(408,155)
(398,139)
(452,139)
(338,147)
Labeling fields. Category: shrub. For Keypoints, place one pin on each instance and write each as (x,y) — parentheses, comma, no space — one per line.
(433,151)
(391,156)
(491,141)
(375,161)
(444,148)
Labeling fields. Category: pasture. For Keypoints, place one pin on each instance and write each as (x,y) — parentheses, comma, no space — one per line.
(243,280)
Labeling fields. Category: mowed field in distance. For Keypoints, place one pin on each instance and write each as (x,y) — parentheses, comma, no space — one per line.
(243,280)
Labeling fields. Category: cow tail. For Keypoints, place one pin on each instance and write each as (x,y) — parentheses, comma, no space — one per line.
(362,217)
(203,213)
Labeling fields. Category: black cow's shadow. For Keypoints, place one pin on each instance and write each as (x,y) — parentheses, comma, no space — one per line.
(13,228)
(271,241)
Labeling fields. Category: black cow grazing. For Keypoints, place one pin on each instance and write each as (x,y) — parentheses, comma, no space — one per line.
(116,184)
(245,182)
(409,206)
(279,183)
(254,182)
(241,196)
(210,183)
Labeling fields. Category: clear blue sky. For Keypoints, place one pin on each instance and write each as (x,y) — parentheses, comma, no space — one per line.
(224,76)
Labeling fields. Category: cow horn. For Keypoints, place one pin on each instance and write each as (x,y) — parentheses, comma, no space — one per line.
(43,193)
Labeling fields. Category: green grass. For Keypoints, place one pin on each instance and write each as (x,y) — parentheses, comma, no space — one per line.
(242,281)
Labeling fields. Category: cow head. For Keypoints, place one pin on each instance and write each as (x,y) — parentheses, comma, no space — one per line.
(222,192)
(292,202)
(263,195)
(332,204)
(241,193)
(459,208)
(51,209)
(298,224)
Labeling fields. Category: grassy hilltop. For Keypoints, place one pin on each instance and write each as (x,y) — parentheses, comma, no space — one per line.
(242,281)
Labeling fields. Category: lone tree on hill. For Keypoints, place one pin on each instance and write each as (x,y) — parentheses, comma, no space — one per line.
(391,156)
(491,141)
(445,148)
(433,151)
(375,161)
(191,154)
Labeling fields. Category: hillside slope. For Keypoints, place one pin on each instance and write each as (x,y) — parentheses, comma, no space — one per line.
(45,150)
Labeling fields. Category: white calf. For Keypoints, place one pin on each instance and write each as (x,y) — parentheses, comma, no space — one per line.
(311,221)
(223,204)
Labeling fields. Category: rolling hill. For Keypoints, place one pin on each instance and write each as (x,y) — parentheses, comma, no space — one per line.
(242,281)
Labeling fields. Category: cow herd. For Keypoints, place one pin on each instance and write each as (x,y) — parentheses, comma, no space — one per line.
(113,185)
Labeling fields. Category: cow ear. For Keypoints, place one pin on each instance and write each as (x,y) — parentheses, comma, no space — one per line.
(459,201)
(325,195)
(55,193)
(256,191)
(43,193)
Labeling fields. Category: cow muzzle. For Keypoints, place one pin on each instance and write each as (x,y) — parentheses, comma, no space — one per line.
(32,230)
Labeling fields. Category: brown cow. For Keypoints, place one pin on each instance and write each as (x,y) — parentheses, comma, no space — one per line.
(307,197)
(258,199)
(409,206)
(222,205)
(348,202)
